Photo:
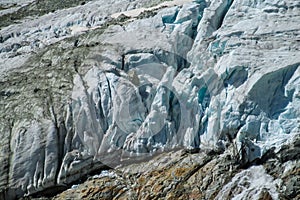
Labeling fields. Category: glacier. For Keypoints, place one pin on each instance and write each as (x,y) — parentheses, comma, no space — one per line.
(94,85)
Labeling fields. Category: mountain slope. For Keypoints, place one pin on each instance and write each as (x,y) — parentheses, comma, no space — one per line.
(109,83)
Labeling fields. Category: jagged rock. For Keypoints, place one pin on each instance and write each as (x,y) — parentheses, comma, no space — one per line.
(265,195)
(178,175)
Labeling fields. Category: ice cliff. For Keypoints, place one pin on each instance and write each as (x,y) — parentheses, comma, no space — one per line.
(94,85)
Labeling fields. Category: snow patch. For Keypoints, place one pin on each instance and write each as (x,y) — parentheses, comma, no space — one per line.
(105,173)
(137,12)
(249,183)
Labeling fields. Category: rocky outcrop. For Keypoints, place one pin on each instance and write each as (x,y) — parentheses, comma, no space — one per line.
(109,83)
(203,175)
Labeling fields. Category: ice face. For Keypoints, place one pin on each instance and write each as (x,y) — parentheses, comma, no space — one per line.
(87,90)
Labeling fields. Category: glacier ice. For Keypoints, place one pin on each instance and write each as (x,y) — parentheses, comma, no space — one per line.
(203,74)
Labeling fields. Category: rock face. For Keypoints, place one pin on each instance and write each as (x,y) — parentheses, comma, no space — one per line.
(106,83)
(205,175)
